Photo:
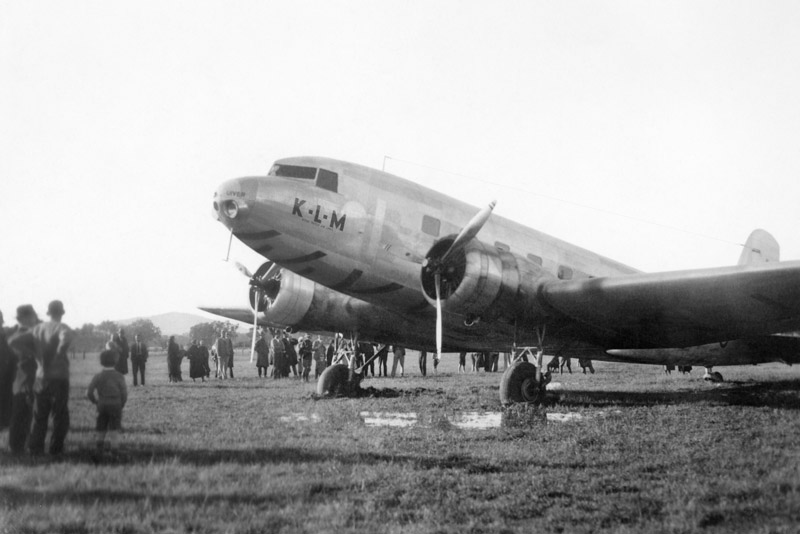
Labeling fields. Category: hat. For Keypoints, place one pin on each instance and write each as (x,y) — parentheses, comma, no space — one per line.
(108,358)
(55,307)
(26,310)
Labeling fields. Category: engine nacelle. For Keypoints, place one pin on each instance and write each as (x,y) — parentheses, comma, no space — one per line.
(484,282)
(285,298)
(290,300)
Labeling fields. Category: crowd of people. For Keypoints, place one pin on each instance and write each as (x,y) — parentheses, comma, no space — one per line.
(34,379)
(34,371)
(279,355)
(198,355)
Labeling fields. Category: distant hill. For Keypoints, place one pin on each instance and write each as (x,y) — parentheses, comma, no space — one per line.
(172,323)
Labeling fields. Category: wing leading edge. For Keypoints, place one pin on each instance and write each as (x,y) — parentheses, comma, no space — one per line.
(682,308)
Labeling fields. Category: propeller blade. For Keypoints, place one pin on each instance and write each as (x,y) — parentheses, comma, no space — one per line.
(438,283)
(242,269)
(470,230)
(255,326)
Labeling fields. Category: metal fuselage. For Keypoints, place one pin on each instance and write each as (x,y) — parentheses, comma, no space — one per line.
(362,235)
(368,237)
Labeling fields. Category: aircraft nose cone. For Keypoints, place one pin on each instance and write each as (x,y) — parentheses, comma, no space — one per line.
(233,199)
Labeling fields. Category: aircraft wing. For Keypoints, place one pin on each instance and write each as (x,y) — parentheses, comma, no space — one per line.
(682,308)
(244,315)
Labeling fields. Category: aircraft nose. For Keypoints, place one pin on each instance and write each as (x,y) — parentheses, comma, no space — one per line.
(233,199)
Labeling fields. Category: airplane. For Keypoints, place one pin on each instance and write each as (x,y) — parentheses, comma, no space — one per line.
(349,248)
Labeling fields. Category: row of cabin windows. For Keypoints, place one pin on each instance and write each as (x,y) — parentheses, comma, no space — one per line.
(432,225)
(324,179)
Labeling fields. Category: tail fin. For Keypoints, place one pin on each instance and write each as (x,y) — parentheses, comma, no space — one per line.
(760,247)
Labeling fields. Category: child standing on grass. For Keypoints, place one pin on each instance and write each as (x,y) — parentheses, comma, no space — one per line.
(111,395)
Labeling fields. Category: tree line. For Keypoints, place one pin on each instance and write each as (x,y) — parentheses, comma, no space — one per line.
(93,337)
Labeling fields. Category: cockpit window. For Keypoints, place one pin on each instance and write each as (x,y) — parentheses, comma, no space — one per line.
(328,180)
(294,171)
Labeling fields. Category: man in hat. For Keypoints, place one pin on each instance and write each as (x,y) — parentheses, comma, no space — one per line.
(225,354)
(138,358)
(20,340)
(51,388)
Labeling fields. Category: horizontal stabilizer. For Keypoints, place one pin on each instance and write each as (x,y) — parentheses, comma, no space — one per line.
(760,247)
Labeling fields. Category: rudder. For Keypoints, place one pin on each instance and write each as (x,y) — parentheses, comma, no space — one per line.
(760,247)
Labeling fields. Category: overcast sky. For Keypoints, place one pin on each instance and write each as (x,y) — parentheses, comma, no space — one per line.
(656,133)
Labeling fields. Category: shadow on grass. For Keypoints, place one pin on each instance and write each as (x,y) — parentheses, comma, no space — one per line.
(259,457)
(775,394)
(12,496)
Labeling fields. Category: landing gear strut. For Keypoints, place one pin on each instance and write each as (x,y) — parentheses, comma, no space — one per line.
(523,381)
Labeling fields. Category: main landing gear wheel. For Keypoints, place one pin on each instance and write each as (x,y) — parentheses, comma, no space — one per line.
(714,377)
(336,381)
(519,384)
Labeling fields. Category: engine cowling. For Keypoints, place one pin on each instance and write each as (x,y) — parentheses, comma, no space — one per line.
(483,282)
(290,300)
(284,298)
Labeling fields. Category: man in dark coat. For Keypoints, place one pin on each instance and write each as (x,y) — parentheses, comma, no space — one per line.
(225,354)
(204,358)
(278,356)
(196,367)
(138,358)
(262,354)
(291,354)
(174,356)
(306,355)
(121,343)
(21,343)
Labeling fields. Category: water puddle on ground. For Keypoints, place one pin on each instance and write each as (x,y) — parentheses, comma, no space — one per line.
(464,420)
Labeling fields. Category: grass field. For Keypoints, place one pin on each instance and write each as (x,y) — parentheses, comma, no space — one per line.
(652,453)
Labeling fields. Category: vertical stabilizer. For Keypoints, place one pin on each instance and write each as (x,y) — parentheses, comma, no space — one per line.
(760,247)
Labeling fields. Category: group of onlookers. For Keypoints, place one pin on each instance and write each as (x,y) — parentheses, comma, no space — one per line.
(279,355)
(198,356)
(34,379)
(283,354)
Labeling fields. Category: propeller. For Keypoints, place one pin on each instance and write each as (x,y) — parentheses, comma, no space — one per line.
(258,281)
(242,269)
(438,282)
(469,231)
(438,266)
(255,325)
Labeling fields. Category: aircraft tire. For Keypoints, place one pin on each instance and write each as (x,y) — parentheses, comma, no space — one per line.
(333,381)
(519,384)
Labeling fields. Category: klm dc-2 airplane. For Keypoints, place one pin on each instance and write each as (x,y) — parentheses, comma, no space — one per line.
(357,250)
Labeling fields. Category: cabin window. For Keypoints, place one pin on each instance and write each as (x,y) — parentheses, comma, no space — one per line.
(564,273)
(328,180)
(535,259)
(294,171)
(430,225)
(502,246)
